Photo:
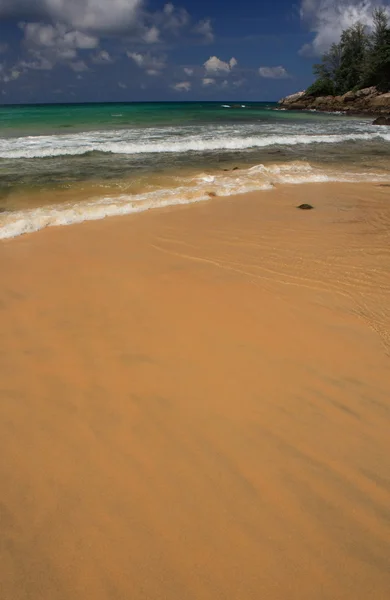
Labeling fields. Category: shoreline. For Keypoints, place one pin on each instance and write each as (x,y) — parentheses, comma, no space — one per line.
(194,402)
(81,204)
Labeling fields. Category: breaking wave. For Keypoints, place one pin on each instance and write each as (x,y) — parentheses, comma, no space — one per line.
(127,143)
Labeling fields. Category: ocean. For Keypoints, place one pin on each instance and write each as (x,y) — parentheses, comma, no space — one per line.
(63,164)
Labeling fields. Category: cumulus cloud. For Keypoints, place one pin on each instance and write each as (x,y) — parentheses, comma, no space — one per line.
(172,18)
(216,66)
(93,15)
(205,29)
(152,35)
(152,64)
(36,62)
(79,66)
(102,58)
(58,36)
(327,19)
(102,17)
(273,72)
(10,76)
(47,45)
(60,32)
(208,81)
(183,86)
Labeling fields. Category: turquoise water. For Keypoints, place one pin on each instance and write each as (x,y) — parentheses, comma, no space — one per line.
(38,119)
(127,156)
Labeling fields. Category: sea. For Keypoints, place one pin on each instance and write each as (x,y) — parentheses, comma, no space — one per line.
(67,163)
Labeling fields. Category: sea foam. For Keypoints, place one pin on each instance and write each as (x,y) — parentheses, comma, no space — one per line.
(192,189)
(120,143)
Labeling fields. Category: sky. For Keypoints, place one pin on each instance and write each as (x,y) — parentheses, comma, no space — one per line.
(139,50)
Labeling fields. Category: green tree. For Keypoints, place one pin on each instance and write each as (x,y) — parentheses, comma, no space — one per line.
(354,46)
(358,60)
(377,64)
(326,72)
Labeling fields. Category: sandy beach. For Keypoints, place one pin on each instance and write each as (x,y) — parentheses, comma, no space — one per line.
(195,402)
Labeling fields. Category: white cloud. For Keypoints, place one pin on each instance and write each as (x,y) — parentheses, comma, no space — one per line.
(168,8)
(38,62)
(171,18)
(102,58)
(188,71)
(147,61)
(78,66)
(327,19)
(138,58)
(57,36)
(152,35)
(205,29)
(183,86)
(11,75)
(46,45)
(92,15)
(216,66)
(273,72)
(208,81)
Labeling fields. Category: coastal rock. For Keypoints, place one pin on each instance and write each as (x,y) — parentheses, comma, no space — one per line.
(369,91)
(365,101)
(305,206)
(348,97)
(382,101)
(382,120)
(292,98)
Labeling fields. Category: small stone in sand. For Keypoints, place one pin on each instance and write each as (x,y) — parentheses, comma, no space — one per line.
(305,206)
(211,194)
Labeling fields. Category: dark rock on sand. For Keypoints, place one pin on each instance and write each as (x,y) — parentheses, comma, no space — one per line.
(305,206)
(211,194)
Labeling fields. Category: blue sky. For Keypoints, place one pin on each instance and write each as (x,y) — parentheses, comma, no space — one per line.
(130,50)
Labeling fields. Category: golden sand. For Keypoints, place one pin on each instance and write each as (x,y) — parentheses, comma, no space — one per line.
(195,403)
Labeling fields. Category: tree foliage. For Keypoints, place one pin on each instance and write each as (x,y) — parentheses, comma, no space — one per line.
(361,59)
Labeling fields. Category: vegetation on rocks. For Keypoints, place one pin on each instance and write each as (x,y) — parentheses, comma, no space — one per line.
(360,60)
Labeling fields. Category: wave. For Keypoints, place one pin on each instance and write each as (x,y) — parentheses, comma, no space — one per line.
(76,145)
(195,189)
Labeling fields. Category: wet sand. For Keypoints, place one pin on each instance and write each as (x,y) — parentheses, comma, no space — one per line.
(195,403)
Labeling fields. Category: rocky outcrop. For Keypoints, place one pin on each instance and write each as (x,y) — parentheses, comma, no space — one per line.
(366,101)
(382,120)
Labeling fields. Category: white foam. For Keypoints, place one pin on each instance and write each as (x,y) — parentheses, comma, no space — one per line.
(195,189)
(134,143)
